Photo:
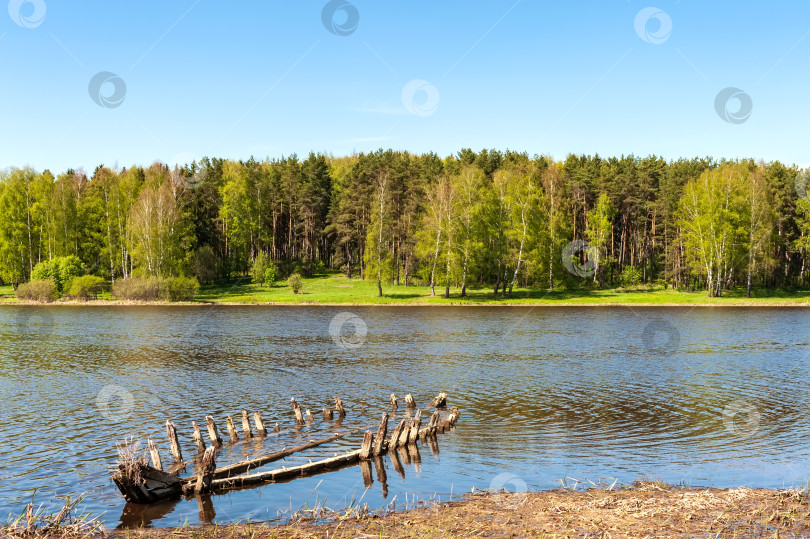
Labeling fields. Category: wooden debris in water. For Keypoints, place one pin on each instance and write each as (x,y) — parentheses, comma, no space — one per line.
(397,434)
(205,474)
(171,432)
(380,443)
(339,407)
(213,433)
(231,429)
(393,400)
(366,448)
(140,483)
(327,414)
(413,433)
(155,454)
(285,474)
(245,466)
(197,437)
(275,428)
(299,418)
(310,419)
(259,422)
(440,401)
(246,425)
(409,401)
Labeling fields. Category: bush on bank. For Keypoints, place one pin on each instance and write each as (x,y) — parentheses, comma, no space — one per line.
(41,290)
(156,288)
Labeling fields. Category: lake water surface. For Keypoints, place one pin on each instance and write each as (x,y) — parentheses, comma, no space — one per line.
(551,395)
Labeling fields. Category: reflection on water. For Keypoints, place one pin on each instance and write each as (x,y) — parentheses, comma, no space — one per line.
(702,396)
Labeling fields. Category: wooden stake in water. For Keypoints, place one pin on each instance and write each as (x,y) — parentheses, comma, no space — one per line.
(409,401)
(413,433)
(366,448)
(327,414)
(257,420)
(393,400)
(171,432)
(197,436)
(339,407)
(213,433)
(310,419)
(380,443)
(246,425)
(155,454)
(232,430)
(206,472)
(299,418)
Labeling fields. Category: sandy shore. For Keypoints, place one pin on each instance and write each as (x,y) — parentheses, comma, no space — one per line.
(648,510)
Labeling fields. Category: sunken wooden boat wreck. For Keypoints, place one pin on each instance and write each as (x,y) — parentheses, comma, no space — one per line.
(143,480)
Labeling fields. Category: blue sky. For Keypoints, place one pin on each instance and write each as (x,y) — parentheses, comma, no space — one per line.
(269,78)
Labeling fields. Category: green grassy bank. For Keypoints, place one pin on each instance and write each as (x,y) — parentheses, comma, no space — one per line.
(337,289)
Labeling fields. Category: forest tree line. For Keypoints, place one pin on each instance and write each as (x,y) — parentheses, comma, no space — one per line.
(475,219)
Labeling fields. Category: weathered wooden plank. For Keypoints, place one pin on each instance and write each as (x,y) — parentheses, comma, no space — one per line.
(205,475)
(245,466)
(197,436)
(440,401)
(155,455)
(366,448)
(380,442)
(413,432)
(259,422)
(232,429)
(174,443)
(299,418)
(213,433)
(286,474)
(339,407)
(246,425)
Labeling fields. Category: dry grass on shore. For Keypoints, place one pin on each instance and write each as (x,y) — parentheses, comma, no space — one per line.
(649,509)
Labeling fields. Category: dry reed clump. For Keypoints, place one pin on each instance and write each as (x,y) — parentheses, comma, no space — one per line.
(67,523)
(131,461)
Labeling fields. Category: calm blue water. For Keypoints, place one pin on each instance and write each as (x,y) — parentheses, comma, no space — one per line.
(703,396)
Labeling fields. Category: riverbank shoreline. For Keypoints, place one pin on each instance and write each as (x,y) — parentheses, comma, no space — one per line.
(336,290)
(764,303)
(646,509)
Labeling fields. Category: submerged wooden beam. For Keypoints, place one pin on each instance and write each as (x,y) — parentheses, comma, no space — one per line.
(247,465)
(286,474)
